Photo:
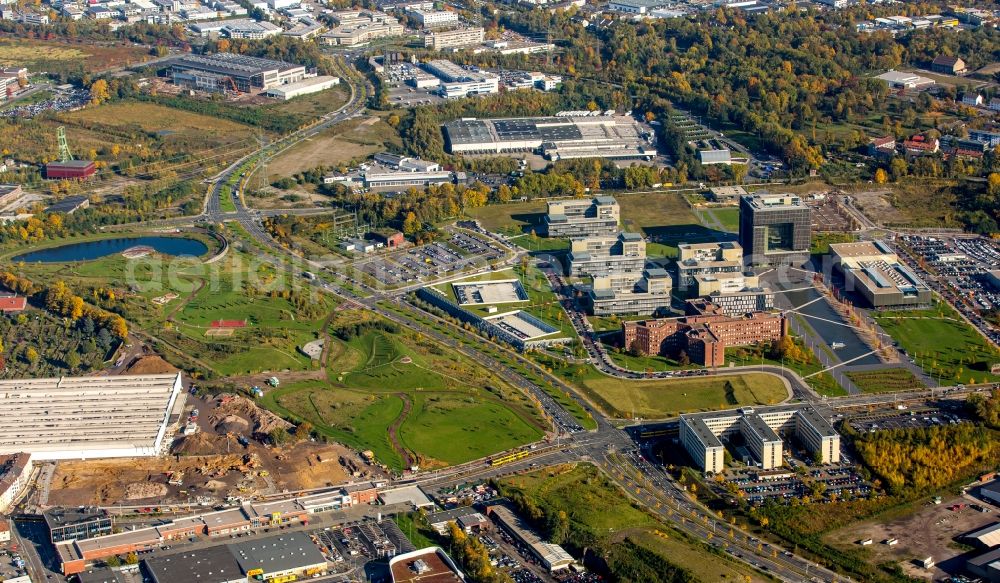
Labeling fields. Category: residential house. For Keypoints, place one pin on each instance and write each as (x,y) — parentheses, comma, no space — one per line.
(972,100)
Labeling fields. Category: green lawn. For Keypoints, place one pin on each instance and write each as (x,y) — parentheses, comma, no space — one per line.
(535,243)
(660,398)
(942,344)
(822,383)
(456,430)
(885,380)
(655,363)
(728,217)
(513,219)
(458,411)
(415,527)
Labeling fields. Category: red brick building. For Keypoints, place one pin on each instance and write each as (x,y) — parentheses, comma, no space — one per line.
(703,337)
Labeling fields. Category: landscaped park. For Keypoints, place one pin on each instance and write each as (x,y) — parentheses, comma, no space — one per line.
(407,399)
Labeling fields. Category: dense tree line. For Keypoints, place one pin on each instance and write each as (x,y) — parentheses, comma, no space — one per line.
(918,459)
(772,75)
(349,332)
(987,407)
(60,301)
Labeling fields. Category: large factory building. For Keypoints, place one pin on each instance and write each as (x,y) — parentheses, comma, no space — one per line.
(229,72)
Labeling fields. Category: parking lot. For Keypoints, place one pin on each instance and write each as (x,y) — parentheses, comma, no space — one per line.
(958,269)
(458,253)
(61,100)
(821,483)
(906,419)
(11,563)
(398,79)
(354,544)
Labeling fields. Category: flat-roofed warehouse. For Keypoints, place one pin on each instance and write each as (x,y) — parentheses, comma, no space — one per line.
(557,137)
(247,73)
(88,417)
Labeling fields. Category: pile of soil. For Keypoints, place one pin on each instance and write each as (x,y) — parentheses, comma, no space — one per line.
(152,364)
(200,443)
(232,424)
(263,421)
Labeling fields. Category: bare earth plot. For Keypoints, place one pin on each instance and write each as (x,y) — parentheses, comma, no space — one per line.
(339,144)
(926,533)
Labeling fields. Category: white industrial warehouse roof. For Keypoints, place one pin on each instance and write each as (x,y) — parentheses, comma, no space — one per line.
(87,417)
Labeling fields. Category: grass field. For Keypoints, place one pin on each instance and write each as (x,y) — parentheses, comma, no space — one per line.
(55,56)
(656,399)
(340,144)
(885,380)
(512,219)
(599,511)
(642,211)
(666,220)
(315,104)
(457,430)
(941,343)
(170,124)
(728,217)
(448,410)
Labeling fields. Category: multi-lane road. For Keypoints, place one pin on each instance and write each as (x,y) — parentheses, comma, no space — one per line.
(608,447)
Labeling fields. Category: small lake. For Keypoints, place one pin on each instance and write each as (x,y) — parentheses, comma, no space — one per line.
(175,246)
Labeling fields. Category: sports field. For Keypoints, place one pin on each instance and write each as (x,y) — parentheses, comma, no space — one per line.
(656,399)
(942,343)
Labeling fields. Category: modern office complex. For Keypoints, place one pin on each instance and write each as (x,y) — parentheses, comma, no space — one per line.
(359,27)
(577,218)
(88,417)
(724,282)
(457,81)
(873,270)
(762,430)
(604,256)
(775,229)
(232,72)
(434,18)
(734,303)
(705,259)
(556,138)
(643,294)
(703,337)
(453,39)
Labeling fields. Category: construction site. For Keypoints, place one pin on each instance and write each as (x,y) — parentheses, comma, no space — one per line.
(220,456)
